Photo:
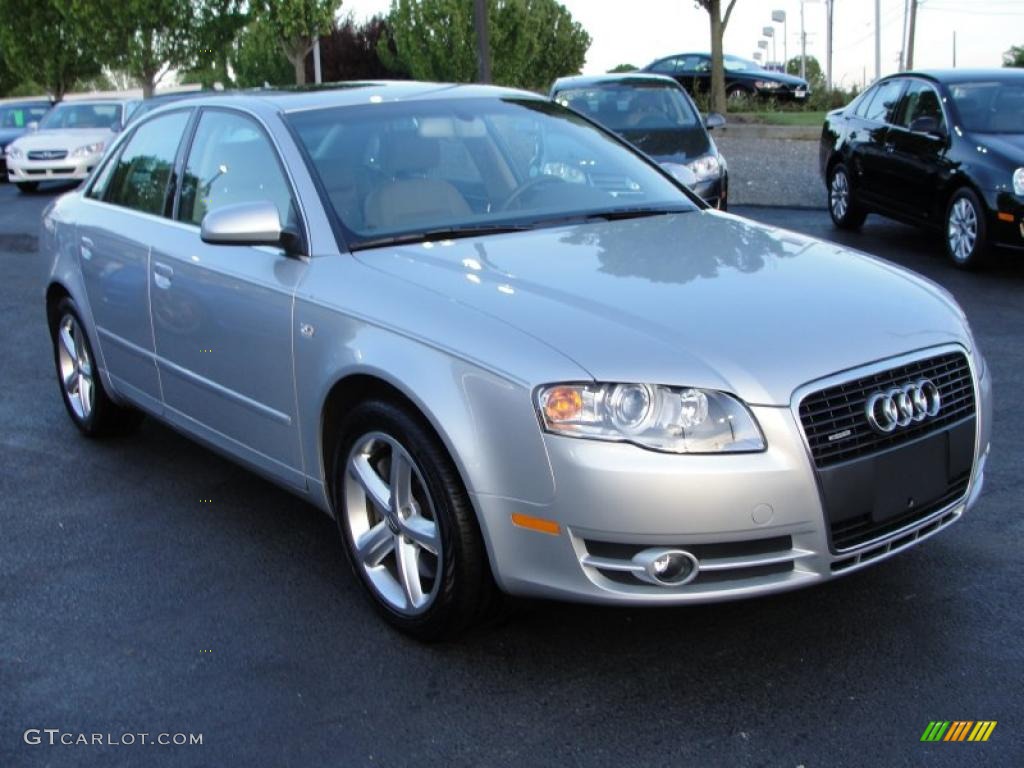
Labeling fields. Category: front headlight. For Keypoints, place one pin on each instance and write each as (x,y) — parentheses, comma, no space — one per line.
(13,152)
(1018,182)
(89,149)
(705,167)
(671,419)
(768,85)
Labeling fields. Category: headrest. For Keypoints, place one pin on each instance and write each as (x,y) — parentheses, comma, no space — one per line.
(408,152)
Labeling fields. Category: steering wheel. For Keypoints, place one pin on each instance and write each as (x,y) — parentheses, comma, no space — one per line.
(529,186)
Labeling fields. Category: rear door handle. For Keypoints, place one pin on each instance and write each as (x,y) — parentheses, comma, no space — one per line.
(162,274)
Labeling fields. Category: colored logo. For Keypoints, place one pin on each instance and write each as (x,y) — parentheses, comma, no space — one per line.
(958,730)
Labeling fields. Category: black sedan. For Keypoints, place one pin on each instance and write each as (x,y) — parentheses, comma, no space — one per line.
(941,149)
(657,116)
(743,78)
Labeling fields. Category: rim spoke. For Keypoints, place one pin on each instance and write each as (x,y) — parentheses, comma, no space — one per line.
(85,392)
(400,481)
(69,381)
(409,571)
(376,544)
(375,488)
(423,533)
(67,342)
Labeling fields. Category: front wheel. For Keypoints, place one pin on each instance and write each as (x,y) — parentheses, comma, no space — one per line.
(409,527)
(81,387)
(966,232)
(845,213)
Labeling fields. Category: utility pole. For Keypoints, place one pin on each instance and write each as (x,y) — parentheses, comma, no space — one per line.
(910,34)
(483,42)
(828,43)
(903,40)
(317,71)
(954,49)
(878,39)
(803,45)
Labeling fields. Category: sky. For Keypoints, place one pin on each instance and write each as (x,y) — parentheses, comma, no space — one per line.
(639,31)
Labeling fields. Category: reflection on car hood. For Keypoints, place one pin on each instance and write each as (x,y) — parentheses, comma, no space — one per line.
(1010,145)
(65,138)
(671,145)
(701,299)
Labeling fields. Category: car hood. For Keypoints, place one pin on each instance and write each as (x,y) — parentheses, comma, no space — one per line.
(767,74)
(1010,145)
(66,138)
(698,299)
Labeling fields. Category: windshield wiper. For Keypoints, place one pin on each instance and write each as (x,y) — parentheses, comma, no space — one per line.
(444,233)
(619,214)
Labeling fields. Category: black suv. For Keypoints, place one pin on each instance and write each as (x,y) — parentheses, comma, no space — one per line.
(743,78)
(942,149)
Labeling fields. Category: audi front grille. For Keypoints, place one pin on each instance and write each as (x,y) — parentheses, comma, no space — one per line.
(835,423)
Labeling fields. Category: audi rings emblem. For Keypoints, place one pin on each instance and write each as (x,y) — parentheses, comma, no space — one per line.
(902,406)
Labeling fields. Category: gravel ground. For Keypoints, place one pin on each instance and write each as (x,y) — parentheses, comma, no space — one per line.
(772,172)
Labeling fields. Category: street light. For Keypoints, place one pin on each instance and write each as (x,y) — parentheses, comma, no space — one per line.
(779,17)
(770,32)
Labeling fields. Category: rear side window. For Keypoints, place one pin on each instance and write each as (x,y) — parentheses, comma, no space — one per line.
(139,178)
(883,102)
(231,161)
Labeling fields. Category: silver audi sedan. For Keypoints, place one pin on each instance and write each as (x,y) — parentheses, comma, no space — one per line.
(507,353)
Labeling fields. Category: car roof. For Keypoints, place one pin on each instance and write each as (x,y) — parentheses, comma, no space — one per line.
(24,102)
(624,78)
(1006,74)
(350,94)
(76,102)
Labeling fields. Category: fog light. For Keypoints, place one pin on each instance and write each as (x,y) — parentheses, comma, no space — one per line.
(666,567)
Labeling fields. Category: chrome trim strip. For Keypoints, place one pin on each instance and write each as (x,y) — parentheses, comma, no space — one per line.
(248,402)
(610,564)
(752,561)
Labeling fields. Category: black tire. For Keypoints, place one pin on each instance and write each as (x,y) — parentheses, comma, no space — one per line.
(738,93)
(845,212)
(466,593)
(967,246)
(723,194)
(103,417)
(27,187)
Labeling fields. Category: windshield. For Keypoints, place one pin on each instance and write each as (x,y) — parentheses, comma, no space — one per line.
(990,107)
(736,64)
(467,165)
(82,116)
(21,116)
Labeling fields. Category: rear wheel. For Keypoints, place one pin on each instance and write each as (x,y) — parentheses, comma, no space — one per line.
(81,387)
(27,186)
(408,525)
(966,232)
(845,213)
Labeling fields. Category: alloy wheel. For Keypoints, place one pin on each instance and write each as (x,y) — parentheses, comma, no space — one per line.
(392,524)
(76,367)
(962,230)
(839,195)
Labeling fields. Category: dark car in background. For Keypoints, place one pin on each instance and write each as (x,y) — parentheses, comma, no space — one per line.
(16,118)
(743,78)
(657,116)
(940,149)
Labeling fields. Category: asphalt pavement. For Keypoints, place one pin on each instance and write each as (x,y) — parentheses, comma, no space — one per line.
(129,605)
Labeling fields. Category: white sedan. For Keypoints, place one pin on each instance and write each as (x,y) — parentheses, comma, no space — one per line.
(68,144)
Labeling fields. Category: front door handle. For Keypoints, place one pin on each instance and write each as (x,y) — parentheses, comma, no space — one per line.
(890,147)
(162,274)
(86,247)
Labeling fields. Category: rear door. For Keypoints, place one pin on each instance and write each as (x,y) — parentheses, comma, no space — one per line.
(222,314)
(124,213)
(918,164)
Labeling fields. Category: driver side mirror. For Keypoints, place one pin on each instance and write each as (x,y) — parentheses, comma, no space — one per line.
(714,120)
(928,125)
(256,223)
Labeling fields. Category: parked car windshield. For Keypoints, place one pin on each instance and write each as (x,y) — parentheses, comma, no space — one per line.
(82,116)
(990,107)
(467,165)
(656,117)
(21,116)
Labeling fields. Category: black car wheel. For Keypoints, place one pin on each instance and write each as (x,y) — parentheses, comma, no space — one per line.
(27,186)
(845,213)
(737,93)
(966,235)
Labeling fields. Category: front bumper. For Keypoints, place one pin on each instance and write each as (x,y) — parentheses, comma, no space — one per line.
(68,169)
(713,191)
(1006,220)
(755,523)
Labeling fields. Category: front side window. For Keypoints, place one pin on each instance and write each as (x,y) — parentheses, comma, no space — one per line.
(139,178)
(386,168)
(71,115)
(231,161)
(883,102)
(921,100)
(736,64)
(695,64)
(666,66)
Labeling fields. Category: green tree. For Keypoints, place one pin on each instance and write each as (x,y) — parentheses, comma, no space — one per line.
(218,25)
(296,25)
(532,41)
(718,24)
(812,68)
(8,80)
(48,42)
(620,68)
(1014,57)
(146,38)
(257,59)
